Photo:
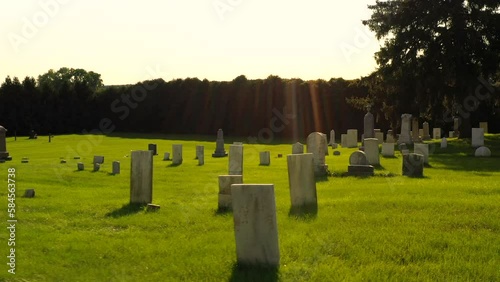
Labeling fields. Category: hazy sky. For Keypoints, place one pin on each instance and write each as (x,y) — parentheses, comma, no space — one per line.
(129,41)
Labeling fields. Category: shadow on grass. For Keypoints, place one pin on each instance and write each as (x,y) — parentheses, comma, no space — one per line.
(174,165)
(254,273)
(125,210)
(389,157)
(223,211)
(306,212)
(378,167)
(264,165)
(323,178)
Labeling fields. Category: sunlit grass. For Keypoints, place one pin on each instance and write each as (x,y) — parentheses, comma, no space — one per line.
(79,227)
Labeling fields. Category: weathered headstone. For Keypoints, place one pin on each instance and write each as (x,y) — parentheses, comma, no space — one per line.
(116,167)
(166,157)
(98,159)
(235,160)
(343,140)
(390,137)
(326,143)
(33,135)
(451,134)
(29,193)
(219,145)
(225,182)
(80,166)
(141,177)
(444,143)
(415,130)
(404,136)
(456,126)
(426,133)
(153,148)
(332,138)
(352,138)
(177,154)
(200,154)
(298,148)
(380,137)
(413,165)
(316,146)
(265,158)
(358,165)
(371,151)
(477,137)
(436,133)
(422,149)
(358,158)
(97,166)
(255,225)
(484,126)
(482,152)
(4,155)
(301,180)
(388,149)
(369,125)
(405,152)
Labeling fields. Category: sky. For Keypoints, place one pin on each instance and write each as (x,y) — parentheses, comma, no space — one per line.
(129,41)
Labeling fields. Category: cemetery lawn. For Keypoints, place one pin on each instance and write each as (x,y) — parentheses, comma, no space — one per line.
(79,227)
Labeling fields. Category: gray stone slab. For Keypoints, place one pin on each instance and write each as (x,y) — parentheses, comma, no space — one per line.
(141,177)
(301,180)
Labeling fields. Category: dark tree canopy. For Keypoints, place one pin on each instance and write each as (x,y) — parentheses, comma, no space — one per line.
(435,53)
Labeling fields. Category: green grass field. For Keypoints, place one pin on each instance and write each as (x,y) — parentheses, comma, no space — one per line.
(79,227)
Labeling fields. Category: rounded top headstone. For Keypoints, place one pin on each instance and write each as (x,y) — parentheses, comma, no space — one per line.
(483,152)
(358,158)
(2,129)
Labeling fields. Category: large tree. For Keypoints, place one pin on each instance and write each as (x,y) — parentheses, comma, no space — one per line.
(436,54)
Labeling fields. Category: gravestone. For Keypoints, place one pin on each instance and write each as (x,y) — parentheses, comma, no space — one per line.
(415,130)
(80,166)
(477,137)
(436,133)
(219,145)
(97,166)
(343,140)
(301,180)
(297,148)
(4,155)
(426,133)
(98,159)
(358,165)
(116,167)
(200,154)
(388,149)
(235,160)
(422,149)
(332,138)
(255,225)
(265,158)
(237,143)
(141,177)
(33,135)
(316,146)
(482,152)
(352,138)
(371,151)
(380,137)
(153,148)
(456,125)
(484,126)
(326,144)
(166,156)
(420,133)
(404,136)
(369,125)
(225,182)
(413,165)
(177,154)
(336,153)
(24,160)
(390,137)
(29,193)
(405,152)
(444,143)
(63,161)
(451,134)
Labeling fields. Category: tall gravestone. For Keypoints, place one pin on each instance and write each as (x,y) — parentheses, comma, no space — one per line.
(343,140)
(4,155)
(255,224)
(219,145)
(332,138)
(371,151)
(141,177)
(316,146)
(369,125)
(177,154)
(484,126)
(380,136)
(235,160)
(477,137)
(298,148)
(153,148)
(200,154)
(415,130)
(301,180)
(426,135)
(456,126)
(404,136)
(116,167)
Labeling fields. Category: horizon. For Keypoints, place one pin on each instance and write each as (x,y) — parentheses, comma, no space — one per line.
(218,40)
